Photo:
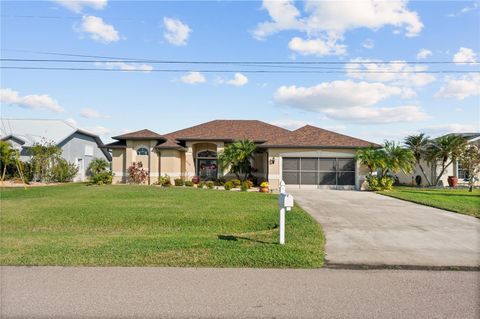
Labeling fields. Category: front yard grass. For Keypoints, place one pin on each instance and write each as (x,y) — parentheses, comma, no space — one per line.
(76,225)
(456,200)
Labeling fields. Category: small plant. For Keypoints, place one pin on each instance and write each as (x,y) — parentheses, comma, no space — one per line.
(164,181)
(136,173)
(236,182)
(179,182)
(102,178)
(220,181)
(228,186)
(264,184)
(244,187)
(248,183)
(202,184)
(189,183)
(210,184)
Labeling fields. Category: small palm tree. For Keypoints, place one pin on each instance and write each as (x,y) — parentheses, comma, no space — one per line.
(370,157)
(444,151)
(419,145)
(98,165)
(398,158)
(237,157)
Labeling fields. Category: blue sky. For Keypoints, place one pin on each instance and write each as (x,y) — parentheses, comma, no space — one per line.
(374,106)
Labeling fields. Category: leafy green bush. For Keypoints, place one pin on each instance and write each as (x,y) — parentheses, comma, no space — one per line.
(220,181)
(202,184)
(179,182)
(210,184)
(164,181)
(236,182)
(102,178)
(377,183)
(189,183)
(386,183)
(98,165)
(228,186)
(63,171)
(248,184)
(244,187)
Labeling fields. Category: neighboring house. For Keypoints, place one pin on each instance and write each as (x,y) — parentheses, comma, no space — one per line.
(455,169)
(78,146)
(307,157)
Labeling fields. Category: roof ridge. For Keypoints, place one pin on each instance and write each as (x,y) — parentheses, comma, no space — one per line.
(330,131)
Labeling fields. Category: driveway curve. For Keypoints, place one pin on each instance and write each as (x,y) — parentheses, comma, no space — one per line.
(364,228)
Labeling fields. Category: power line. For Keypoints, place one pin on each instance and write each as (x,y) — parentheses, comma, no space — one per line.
(231,71)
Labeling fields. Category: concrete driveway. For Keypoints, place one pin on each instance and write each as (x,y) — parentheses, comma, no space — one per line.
(364,228)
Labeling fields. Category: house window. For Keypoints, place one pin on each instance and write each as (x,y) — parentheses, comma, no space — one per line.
(207,154)
(462,173)
(142,151)
(88,150)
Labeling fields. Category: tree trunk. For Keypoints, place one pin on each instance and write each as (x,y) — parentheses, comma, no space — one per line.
(3,174)
(444,167)
(424,174)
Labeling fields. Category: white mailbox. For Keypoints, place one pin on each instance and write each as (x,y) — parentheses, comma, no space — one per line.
(285,201)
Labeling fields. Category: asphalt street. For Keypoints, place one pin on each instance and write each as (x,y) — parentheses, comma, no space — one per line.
(119,292)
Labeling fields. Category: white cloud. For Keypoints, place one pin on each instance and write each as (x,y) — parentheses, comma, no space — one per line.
(290,124)
(397,73)
(443,129)
(92,114)
(238,80)
(465,55)
(98,30)
(331,19)
(32,101)
(78,6)
(176,32)
(466,9)
(72,122)
(125,66)
(98,130)
(349,100)
(460,87)
(193,78)
(368,44)
(317,47)
(423,54)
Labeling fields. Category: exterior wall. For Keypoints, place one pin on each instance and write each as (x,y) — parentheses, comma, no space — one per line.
(123,158)
(275,163)
(119,166)
(74,148)
(171,163)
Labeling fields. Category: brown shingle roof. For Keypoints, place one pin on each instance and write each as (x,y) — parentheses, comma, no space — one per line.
(142,134)
(311,136)
(230,130)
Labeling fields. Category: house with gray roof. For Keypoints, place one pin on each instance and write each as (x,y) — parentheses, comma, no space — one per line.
(78,146)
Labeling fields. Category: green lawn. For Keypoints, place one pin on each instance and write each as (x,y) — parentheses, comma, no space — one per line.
(77,224)
(456,200)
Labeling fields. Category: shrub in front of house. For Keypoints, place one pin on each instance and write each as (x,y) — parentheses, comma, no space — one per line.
(179,182)
(136,173)
(236,182)
(189,183)
(164,181)
(201,185)
(63,171)
(380,183)
(102,178)
(244,187)
(228,186)
(248,184)
(220,181)
(210,184)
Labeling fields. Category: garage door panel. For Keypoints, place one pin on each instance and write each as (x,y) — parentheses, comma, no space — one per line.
(291,164)
(292,178)
(308,178)
(327,164)
(309,164)
(345,178)
(327,178)
(346,164)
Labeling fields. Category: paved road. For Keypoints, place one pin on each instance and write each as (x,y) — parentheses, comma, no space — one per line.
(367,228)
(93,292)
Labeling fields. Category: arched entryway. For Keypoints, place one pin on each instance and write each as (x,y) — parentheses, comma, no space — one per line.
(206,164)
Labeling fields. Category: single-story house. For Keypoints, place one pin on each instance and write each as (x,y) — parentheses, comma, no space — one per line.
(78,146)
(306,157)
(455,169)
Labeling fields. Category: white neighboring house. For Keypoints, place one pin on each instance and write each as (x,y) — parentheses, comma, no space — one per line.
(78,146)
(455,169)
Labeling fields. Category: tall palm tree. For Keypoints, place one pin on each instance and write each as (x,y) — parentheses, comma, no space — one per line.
(398,158)
(419,145)
(238,157)
(370,157)
(444,151)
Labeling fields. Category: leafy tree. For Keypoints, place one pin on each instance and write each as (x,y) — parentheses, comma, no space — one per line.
(470,160)
(44,156)
(397,158)
(370,157)
(7,156)
(419,145)
(98,165)
(237,158)
(444,151)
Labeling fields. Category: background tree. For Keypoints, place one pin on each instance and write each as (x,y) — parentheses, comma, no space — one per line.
(470,160)
(98,165)
(444,151)
(397,158)
(237,158)
(418,145)
(370,157)
(7,156)
(44,156)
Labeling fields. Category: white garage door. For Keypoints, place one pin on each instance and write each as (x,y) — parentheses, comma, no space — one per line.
(318,171)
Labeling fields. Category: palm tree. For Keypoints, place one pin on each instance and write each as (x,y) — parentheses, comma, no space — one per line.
(237,157)
(419,145)
(98,165)
(445,150)
(370,157)
(397,158)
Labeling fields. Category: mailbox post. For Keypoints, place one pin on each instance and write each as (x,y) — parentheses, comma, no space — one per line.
(285,202)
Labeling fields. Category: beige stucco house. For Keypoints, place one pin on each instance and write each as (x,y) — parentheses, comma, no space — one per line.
(455,169)
(309,157)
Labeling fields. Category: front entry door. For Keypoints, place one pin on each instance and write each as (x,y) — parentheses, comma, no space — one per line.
(207,169)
